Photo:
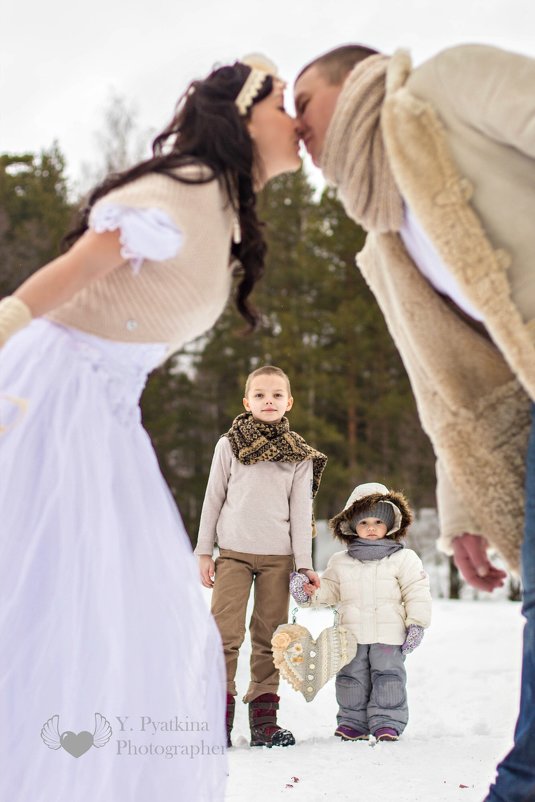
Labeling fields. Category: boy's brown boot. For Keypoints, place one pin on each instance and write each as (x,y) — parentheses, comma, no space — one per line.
(231,709)
(263,722)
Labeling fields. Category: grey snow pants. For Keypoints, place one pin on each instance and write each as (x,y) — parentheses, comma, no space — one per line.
(370,690)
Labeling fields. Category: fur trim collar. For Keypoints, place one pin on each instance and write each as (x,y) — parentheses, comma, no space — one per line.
(399,69)
(430,182)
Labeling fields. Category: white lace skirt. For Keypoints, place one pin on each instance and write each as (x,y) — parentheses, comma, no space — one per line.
(111,674)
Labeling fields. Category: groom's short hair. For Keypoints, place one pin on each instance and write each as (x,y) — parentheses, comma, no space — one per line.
(336,64)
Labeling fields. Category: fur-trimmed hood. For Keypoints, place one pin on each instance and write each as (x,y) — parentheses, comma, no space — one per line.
(365,496)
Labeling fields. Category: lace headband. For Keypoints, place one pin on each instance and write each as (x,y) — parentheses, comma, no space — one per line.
(261,67)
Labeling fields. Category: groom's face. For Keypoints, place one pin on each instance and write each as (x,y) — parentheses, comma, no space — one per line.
(315,100)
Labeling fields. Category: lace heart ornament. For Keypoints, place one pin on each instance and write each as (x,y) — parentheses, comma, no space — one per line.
(308,663)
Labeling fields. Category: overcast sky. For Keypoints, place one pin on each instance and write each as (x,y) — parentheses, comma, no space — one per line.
(60,60)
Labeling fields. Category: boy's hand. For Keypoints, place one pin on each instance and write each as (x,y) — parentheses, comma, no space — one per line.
(207,569)
(313,578)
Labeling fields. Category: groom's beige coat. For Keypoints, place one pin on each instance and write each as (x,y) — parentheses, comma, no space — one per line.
(460,135)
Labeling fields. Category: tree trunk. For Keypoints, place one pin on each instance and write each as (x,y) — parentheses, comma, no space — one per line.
(455,580)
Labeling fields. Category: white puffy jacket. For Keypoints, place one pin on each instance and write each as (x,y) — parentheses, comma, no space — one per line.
(377,599)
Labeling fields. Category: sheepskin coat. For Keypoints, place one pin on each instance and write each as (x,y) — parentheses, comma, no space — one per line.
(460,136)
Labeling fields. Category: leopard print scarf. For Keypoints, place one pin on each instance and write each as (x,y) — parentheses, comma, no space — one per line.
(253,441)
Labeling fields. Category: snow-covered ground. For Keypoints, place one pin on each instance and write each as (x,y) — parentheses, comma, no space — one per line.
(463,686)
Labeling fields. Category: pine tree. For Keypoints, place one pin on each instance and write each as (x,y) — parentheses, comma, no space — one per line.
(34,213)
(321,324)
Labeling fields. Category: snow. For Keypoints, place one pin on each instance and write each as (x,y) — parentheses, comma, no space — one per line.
(463,687)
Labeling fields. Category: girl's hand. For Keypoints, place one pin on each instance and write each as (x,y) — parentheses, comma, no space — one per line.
(298,584)
(207,569)
(413,638)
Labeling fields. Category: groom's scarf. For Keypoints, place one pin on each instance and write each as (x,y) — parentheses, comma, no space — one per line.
(354,158)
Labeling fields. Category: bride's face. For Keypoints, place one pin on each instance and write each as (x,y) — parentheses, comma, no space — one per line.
(274,133)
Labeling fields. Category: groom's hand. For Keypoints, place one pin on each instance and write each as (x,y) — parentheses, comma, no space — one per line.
(470,557)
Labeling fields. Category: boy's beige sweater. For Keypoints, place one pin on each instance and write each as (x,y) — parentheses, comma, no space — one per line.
(265,508)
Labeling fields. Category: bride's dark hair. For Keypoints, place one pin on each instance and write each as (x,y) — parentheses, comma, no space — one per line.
(208,129)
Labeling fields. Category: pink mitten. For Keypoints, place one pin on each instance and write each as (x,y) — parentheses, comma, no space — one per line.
(297,581)
(413,638)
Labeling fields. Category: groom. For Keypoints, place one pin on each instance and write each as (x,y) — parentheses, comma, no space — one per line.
(437,163)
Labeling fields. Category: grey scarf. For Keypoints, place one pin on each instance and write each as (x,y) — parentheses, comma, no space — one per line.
(354,157)
(361,549)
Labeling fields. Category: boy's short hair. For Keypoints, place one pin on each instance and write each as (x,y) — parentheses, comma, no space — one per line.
(335,65)
(269,370)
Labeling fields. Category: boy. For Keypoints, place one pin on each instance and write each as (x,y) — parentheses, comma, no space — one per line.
(258,509)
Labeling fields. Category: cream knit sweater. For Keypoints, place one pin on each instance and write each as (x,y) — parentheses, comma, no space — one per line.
(171,301)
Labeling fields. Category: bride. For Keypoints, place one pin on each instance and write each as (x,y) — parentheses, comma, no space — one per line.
(111,675)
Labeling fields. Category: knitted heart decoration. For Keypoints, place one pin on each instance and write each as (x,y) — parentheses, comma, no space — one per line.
(308,663)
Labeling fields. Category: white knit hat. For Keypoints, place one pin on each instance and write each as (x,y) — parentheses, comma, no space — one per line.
(371,489)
